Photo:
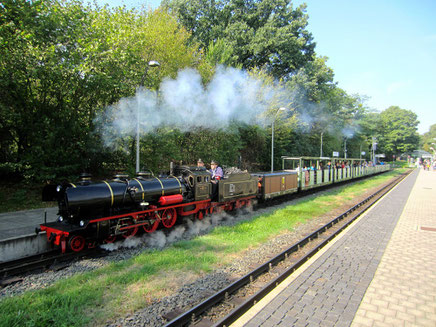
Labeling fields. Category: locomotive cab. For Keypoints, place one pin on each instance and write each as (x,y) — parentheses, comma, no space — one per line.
(197,179)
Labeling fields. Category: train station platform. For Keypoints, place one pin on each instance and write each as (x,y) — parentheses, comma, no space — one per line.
(380,272)
(20,223)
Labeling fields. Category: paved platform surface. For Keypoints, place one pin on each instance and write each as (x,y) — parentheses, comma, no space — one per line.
(381,272)
(15,224)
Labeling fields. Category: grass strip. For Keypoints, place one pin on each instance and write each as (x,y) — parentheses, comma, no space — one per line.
(91,298)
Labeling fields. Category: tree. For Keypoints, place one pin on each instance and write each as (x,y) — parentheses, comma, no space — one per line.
(61,64)
(40,84)
(428,140)
(266,33)
(219,52)
(398,131)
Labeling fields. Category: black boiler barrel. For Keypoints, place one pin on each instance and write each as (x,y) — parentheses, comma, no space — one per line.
(151,189)
(96,195)
(121,193)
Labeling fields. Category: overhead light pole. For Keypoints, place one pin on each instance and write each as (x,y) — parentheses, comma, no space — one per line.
(152,63)
(374,147)
(272,137)
(320,152)
(345,147)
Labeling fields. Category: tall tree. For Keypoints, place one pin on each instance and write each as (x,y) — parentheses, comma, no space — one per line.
(41,82)
(62,62)
(428,140)
(398,131)
(265,33)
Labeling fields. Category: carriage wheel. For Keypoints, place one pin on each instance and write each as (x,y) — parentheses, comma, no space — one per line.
(130,232)
(110,239)
(169,217)
(76,243)
(151,226)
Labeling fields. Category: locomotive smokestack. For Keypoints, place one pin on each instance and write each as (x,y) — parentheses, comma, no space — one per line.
(143,174)
(120,177)
(85,178)
(171,168)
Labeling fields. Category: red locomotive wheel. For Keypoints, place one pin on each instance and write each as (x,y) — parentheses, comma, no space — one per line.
(110,239)
(130,232)
(151,226)
(169,217)
(76,243)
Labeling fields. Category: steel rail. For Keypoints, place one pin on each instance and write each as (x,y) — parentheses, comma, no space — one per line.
(39,261)
(194,313)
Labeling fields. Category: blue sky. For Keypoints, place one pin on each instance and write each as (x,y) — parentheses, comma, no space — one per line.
(384,49)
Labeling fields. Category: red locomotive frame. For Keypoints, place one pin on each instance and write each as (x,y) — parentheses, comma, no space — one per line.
(148,219)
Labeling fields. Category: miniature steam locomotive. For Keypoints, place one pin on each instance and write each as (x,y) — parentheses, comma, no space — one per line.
(96,212)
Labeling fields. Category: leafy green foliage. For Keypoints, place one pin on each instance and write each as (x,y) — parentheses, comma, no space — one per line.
(399,131)
(62,63)
(429,140)
(265,33)
(219,52)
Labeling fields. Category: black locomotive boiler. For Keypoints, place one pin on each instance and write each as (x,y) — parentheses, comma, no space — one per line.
(97,212)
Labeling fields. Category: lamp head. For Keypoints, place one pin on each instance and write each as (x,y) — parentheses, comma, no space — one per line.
(153,63)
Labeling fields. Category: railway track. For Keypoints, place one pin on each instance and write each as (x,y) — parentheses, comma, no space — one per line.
(52,260)
(227,305)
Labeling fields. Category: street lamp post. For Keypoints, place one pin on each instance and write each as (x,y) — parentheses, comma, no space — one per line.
(320,152)
(272,137)
(152,63)
(345,148)
(374,147)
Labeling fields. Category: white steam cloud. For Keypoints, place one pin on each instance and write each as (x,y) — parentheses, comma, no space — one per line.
(232,95)
(159,239)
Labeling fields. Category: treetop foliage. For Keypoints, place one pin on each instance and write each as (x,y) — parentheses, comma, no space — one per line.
(63,63)
(265,33)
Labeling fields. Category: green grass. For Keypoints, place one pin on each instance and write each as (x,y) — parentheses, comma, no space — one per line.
(119,288)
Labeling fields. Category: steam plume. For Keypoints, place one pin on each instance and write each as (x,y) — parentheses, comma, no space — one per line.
(232,95)
(190,229)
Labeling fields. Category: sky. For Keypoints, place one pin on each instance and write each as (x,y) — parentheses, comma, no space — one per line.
(382,49)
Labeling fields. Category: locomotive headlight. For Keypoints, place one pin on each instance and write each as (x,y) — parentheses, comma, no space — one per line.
(60,219)
(82,223)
